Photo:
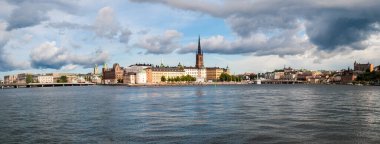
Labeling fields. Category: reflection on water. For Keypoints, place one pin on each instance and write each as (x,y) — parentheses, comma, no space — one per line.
(213,114)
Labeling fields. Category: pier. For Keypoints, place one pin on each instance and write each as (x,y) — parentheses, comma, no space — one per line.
(31,85)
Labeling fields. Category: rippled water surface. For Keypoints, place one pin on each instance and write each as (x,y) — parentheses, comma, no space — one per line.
(221,114)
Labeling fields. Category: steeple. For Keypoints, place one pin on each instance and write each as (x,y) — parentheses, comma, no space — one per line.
(199,55)
(199,45)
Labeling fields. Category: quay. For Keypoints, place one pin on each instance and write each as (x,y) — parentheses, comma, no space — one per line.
(31,85)
(282,82)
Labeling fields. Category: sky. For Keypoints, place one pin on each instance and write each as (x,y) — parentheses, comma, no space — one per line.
(44,36)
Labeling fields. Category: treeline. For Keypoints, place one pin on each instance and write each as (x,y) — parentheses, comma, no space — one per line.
(186,78)
(368,76)
(224,77)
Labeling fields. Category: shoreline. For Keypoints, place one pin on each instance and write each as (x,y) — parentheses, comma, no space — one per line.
(188,84)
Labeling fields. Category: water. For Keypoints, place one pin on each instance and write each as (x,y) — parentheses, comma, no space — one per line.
(222,114)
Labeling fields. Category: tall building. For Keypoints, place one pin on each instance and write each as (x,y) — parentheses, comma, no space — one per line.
(96,69)
(363,67)
(113,75)
(199,56)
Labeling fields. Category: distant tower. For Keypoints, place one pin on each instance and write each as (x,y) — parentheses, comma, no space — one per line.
(199,55)
(96,70)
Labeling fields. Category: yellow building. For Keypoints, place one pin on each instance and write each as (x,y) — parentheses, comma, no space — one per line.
(154,74)
(213,73)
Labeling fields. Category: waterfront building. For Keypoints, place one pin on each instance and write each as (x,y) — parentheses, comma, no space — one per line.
(168,72)
(9,79)
(137,67)
(45,79)
(95,79)
(57,76)
(361,68)
(21,78)
(213,73)
(129,78)
(113,75)
(141,77)
(199,73)
(348,76)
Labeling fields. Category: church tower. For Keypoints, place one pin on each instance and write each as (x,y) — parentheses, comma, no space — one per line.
(199,55)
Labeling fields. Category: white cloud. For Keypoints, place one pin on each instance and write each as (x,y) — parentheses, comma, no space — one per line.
(106,23)
(160,44)
(48,55)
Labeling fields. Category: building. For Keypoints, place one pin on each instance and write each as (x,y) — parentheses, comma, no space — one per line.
(21,78)
(348,76)
(213,73)
(57,76)
(9,79)
(199,73)
(168,72)
(137,67)
(45,79)
(96,70)
(360,68)
(199,56)
(129,78)
(113,75)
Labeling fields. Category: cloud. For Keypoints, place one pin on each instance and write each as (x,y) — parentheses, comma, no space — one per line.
(6,62)
(284,43)
(160,44)
(31,13)
(47,55)
(330,25)
(106,25)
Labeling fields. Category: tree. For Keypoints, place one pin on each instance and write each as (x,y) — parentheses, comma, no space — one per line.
(163,79)
(29,78)
(62,79)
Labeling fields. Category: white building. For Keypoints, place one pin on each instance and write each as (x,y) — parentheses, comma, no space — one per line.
(45,79)
(141,77)
(199,74)
(136,68)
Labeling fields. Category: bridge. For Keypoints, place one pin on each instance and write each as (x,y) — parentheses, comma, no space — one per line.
(31,85)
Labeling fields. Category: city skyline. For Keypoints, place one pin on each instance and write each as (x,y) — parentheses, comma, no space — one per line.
(49,36)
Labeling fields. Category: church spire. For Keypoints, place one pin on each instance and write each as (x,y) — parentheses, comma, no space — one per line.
(199,45)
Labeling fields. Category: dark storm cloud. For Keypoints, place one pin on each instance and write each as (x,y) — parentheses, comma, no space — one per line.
(329,25)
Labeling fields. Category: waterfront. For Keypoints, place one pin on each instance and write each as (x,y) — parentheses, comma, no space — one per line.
(191,114)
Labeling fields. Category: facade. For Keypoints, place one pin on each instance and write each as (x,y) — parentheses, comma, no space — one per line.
(21,78)
(9,79)
(113,75)
(141,77)
(45,79)
(348,77)
(167,72)
(363,67)
(199,73)
(129,78)
(213,73)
